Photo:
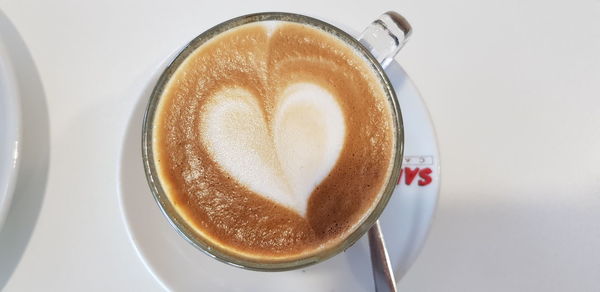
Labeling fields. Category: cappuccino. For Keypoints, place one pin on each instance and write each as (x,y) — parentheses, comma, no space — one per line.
(274,140)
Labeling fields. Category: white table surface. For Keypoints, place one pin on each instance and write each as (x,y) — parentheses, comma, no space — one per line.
(513,88)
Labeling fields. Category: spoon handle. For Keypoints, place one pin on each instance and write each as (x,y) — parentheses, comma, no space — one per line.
(383,274)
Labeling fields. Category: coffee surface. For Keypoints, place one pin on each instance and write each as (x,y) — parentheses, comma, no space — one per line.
(274,140)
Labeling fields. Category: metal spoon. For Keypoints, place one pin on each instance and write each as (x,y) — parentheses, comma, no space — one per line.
(383,274)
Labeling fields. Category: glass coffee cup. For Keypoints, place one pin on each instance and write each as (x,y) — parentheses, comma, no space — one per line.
(378,44)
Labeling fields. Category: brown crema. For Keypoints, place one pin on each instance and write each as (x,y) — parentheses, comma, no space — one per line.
(265,61)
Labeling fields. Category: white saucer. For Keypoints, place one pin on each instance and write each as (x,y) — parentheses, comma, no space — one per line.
(10,131)
(178,266)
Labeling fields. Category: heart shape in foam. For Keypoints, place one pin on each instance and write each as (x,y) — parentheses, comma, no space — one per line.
(283,156)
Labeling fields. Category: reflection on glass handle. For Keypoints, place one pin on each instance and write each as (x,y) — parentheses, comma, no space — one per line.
(386,36)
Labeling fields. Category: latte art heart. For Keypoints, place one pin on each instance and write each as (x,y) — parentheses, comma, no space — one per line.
(285,160)
(273,140)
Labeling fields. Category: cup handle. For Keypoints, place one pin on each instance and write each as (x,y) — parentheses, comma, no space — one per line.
(386,36)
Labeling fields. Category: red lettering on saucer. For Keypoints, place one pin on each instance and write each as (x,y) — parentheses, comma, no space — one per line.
(400,176)
(410,175)
(425,176)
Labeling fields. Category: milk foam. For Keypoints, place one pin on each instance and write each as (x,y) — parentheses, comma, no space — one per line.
(270,26)
(273,141)
(286,160)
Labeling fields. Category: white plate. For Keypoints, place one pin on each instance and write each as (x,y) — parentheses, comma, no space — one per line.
(179,266)
(10,131)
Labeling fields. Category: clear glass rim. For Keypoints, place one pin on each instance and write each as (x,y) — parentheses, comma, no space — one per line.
(187,231)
